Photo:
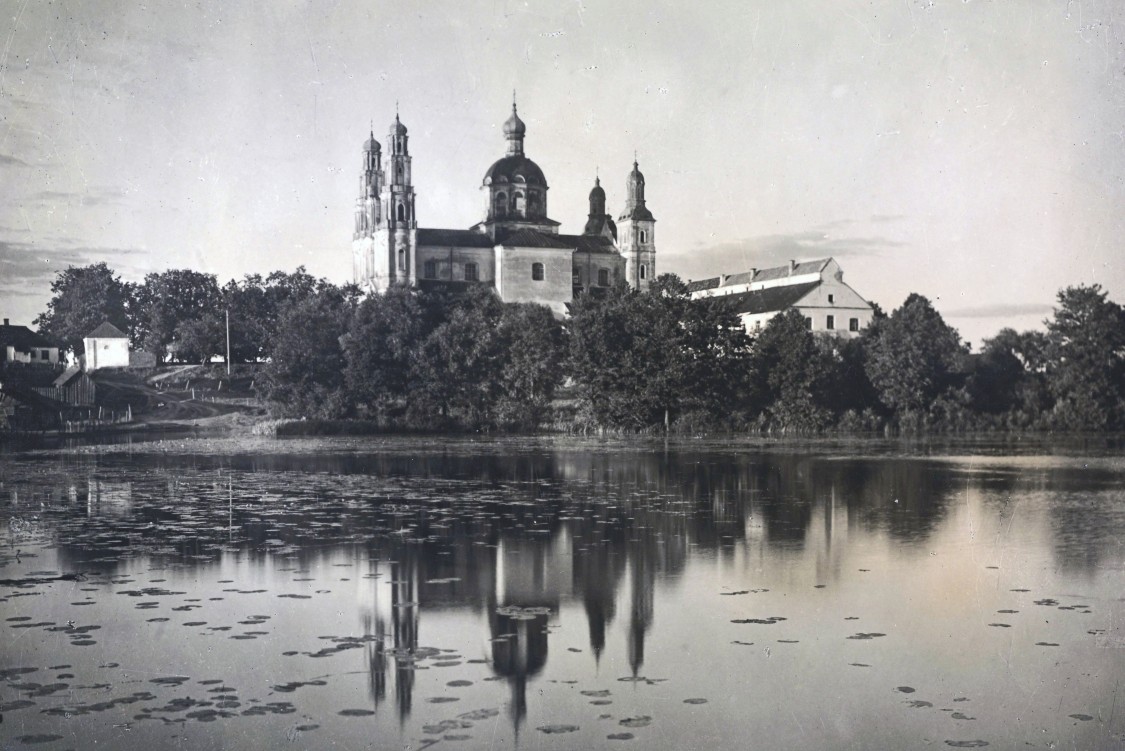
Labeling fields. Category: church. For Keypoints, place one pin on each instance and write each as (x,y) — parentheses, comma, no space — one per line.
(517,249)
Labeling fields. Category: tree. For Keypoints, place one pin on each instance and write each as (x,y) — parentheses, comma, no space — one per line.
(1086,360)
(532,367)
(201,339)
(643,359)
(83,298)
(455,375)
(791,373)
(913,356)
(305,374)
(1008,375)
(385,335)
(170,299)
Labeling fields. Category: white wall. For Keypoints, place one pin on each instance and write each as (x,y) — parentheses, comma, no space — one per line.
(106,353)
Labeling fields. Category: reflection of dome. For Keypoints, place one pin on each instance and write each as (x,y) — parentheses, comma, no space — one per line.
(515,168)
(397,128)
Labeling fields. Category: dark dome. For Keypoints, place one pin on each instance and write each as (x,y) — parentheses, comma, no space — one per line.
(515,169)
(597,193)
(397,128)
(371,144)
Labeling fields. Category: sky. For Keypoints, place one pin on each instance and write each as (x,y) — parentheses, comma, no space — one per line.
(970,151)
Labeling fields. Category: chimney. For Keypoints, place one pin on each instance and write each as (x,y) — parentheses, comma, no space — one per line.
(792,266)
(5,321)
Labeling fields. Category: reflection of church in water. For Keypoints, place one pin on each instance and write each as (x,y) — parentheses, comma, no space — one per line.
(517,249)
(521,583)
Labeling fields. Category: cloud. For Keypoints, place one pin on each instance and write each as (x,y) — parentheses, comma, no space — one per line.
(774,250)
(93,196)
(1001,310)
(29,268)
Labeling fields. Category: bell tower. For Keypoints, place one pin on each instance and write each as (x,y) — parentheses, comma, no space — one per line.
(396,232)
(635,233)
(367,212)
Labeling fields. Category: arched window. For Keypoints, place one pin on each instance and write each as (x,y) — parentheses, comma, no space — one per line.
(603,277)
(401,213)
(430,270)
(644,236)
(533,203)
(537,272)
(518,204)
(644,271)
(501,204)
(402,260)
(471,273)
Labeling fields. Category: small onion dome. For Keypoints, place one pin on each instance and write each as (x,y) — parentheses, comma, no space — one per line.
(513,126)
(371,144)
(597,194)
(397,128)
(635,176)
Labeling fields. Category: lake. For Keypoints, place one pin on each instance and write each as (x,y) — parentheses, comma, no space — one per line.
(207,593)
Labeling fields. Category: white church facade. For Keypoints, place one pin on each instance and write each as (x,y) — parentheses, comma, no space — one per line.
(517,248)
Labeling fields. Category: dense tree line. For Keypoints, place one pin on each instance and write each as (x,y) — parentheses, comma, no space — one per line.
(623,360)
(653,359)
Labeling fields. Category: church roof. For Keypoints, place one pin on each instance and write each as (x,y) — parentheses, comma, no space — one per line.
(769,300)
(589,243)
(106,331)
(529,238)
(455,238)
(516,169)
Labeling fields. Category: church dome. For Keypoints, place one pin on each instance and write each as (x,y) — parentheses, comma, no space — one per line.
(635,177)
(513,126)
(598,193)
(397,128)
(515,168)
(371,144)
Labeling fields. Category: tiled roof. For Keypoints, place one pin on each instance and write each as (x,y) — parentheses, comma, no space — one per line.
(589,243)
(769,300)
(759,275)
(702,284)
(457,238)
(22,338)
(780,272)
(528,238)
(107,331)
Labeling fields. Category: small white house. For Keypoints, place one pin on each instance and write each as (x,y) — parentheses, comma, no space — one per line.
(106,347)
(21,344)
(816,288)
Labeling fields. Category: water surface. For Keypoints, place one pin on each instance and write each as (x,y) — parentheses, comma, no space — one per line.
(556,593)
